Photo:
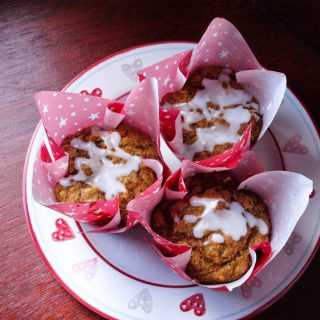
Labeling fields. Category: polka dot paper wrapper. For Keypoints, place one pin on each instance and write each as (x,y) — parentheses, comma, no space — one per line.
(65,113)
(286,195)
(221,45)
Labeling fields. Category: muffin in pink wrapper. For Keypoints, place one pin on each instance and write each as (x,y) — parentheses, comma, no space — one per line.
(219,228)
(99,157)
(211,95)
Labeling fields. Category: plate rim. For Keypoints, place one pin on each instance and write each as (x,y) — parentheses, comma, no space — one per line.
(33,234)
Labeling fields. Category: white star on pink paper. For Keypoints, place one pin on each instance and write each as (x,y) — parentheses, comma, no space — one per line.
(45,108)
(63,122)
(165,81)
(223,54)
(94,116)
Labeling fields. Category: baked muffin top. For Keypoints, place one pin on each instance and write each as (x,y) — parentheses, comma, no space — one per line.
(215,111)
(104,164)
(219,222)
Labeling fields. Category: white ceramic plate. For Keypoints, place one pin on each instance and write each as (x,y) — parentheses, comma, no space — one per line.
(119,276)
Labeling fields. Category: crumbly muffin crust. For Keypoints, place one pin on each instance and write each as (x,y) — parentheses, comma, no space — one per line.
(213,262)
(132,141)
(192,86)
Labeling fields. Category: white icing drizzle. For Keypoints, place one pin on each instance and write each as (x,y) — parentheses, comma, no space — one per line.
(189,218)
(105,174)
(197,109)
(214,237)
(231,221)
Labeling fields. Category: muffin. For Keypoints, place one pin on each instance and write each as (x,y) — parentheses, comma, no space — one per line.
(218,222)
(106,164)
(215,111)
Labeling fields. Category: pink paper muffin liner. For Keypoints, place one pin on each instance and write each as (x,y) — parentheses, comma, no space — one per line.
(221,45)
(286,195)
(65,113)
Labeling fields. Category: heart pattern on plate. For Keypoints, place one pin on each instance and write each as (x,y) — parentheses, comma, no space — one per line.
(195,302)
(131,70)
(246,289)
(64,232)
(143,300)
(293,240)
(88,267)
(97,92)
(295,146)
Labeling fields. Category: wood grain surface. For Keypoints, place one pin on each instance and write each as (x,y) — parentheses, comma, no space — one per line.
(43,46)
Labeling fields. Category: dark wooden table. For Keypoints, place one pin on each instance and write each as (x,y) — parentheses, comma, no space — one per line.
(43,46)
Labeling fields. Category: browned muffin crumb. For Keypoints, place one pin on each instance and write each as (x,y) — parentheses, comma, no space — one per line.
(132,141)
(211,263)
(193,84)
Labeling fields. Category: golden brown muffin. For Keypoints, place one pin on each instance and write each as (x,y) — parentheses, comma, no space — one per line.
(192,86)
(133,142)
(211,262)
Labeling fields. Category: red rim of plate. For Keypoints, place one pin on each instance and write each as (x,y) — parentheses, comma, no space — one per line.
(51,268)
